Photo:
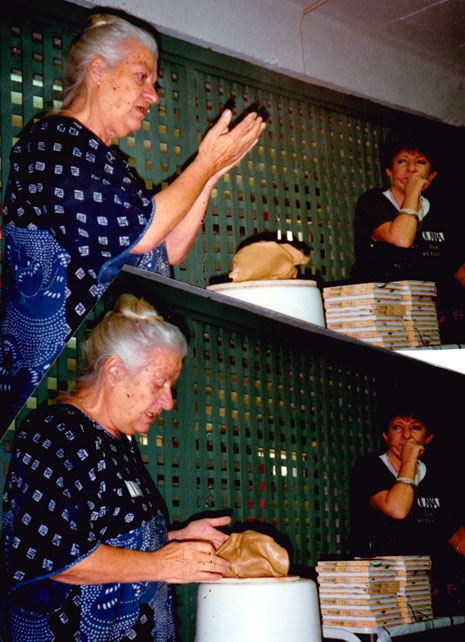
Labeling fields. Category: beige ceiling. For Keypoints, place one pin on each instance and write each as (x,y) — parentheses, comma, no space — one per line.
(432,29)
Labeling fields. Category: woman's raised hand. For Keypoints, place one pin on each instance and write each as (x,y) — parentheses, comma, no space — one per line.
(222,148)
(182,205)
(411,450)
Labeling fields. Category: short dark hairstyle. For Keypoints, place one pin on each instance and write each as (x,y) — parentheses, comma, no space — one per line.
(425,421)
(408,407)
(413,141)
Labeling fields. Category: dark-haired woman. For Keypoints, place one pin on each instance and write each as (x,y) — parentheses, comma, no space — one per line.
(402,506)
(400,235)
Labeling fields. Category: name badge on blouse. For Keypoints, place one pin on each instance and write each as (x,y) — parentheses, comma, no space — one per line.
(133,488)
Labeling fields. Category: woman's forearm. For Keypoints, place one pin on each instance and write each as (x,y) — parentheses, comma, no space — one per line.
(172,206)
(109,564)
(457,541)
(397,501)
(175,562)
(180,240)
(400,232)
(460,275)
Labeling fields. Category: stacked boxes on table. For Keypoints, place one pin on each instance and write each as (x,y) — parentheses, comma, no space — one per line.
(420,314)
(414,593)
(377,592)
(358,593)
(401,314)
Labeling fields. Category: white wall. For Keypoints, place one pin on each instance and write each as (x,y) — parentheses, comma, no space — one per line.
(334,55)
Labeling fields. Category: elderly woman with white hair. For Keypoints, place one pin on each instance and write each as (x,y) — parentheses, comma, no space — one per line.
(76,212)
(86,552)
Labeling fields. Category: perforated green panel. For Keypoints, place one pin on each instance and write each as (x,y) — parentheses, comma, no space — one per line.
(265,428)
(267,424)
(301,180)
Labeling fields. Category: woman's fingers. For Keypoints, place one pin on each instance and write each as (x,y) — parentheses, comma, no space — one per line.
(223,148)
(192,562)
(219,521)
(221,127)
(212,563)
(417,180)
(250,128)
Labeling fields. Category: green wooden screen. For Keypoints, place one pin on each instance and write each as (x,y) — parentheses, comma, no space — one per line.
(301,180)
(267,425)
(319,152)
(264,426)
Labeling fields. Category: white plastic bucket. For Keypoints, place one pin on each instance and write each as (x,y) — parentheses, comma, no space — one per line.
(296,298)
(258,610)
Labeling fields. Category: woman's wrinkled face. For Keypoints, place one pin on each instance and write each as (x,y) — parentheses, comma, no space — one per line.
(137,398)
(127,91)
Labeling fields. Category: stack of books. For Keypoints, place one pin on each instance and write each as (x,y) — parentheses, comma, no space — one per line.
(375,592)
(358,593)
(396,315)
(420,315)
(414,593)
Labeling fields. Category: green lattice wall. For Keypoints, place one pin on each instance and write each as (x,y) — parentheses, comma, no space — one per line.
(319,152)
(268,423)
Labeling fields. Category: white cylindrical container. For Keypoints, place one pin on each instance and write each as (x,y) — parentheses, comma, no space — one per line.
(282,609)
(296,298)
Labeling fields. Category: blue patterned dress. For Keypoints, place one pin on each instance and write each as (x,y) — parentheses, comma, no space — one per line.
(72,486)
(73,211)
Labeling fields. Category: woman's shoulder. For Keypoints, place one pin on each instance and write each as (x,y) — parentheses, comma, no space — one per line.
(59,416)
(372,209)
(58,128)
(368,460)
(62,430)
(373,194)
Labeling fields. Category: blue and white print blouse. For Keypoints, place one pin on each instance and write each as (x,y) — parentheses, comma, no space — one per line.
(71,486)
(73,211)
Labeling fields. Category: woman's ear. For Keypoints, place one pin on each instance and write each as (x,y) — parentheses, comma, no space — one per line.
(113,370)
(96,69)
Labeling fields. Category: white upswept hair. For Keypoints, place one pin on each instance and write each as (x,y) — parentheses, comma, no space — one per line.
(104,35)
(132,330)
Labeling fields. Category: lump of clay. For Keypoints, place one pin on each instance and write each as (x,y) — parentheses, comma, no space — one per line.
(253,554)
(266,260)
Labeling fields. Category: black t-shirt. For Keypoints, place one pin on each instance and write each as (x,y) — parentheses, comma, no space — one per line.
(431,521)
(435,515)
(432,257)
